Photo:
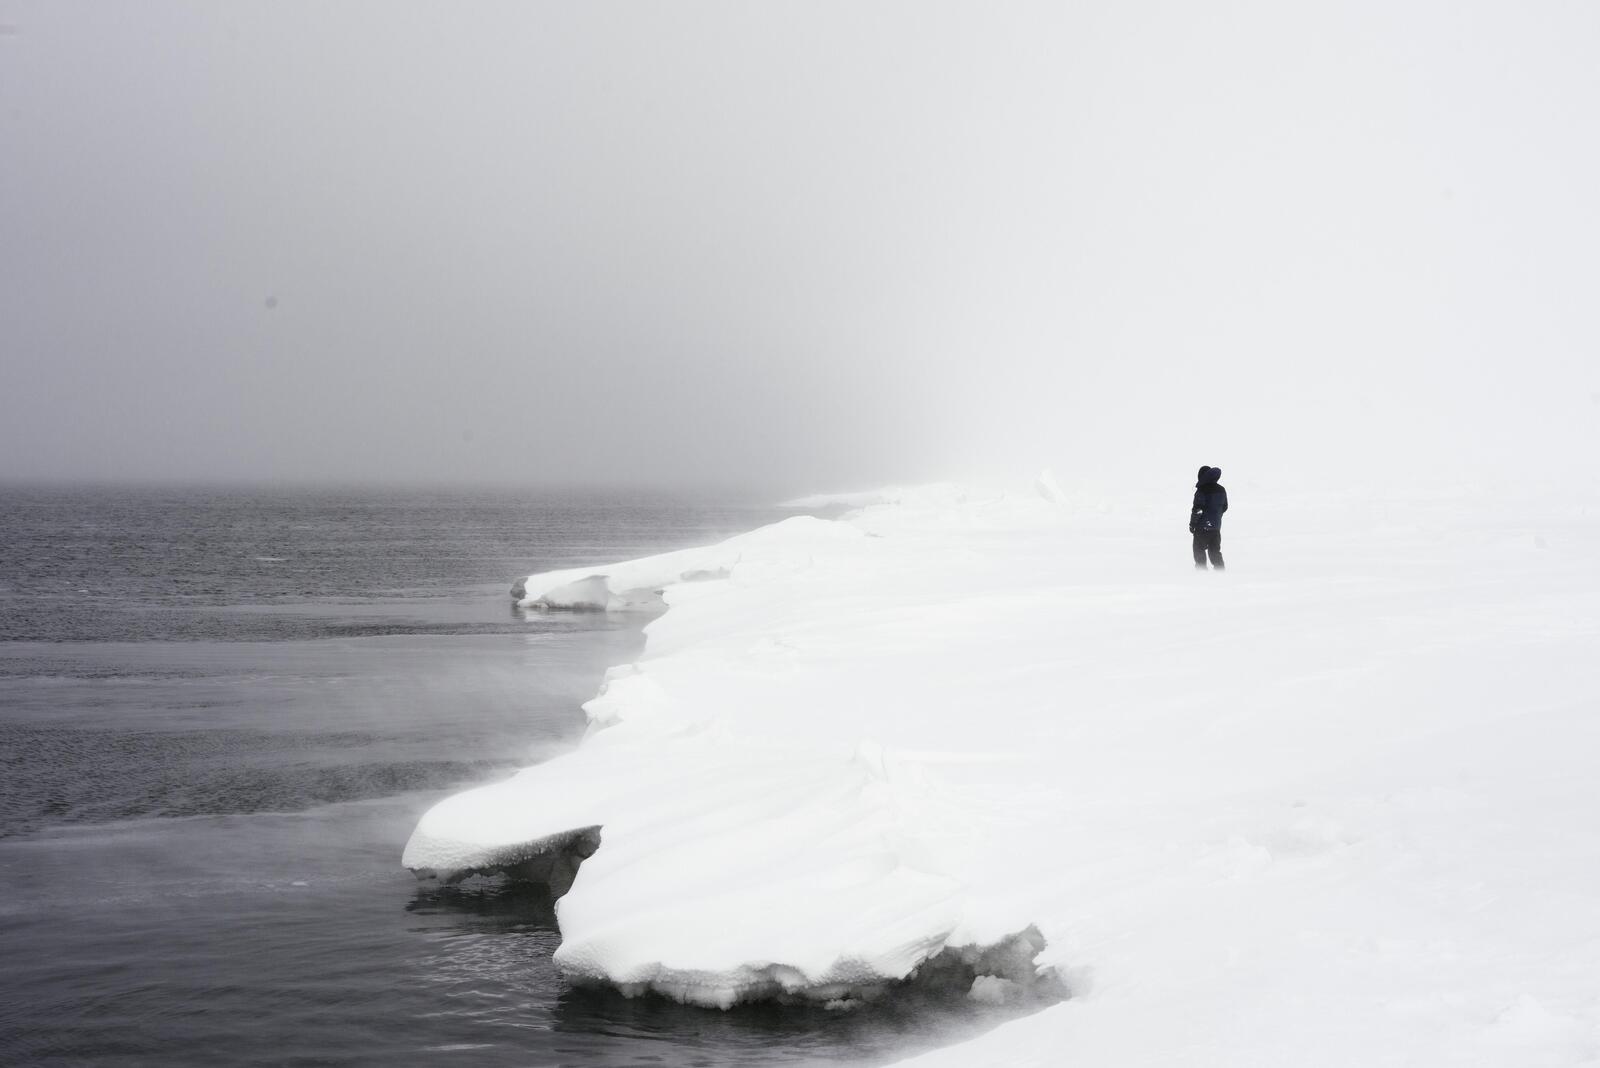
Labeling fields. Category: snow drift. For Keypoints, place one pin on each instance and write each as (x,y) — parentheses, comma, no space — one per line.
(1320,809)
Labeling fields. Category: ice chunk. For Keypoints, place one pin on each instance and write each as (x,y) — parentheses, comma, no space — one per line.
(637,585)
(1049,488)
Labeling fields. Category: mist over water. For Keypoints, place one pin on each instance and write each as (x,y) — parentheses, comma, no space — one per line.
(221,715)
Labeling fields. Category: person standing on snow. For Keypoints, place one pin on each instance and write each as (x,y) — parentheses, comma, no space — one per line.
(1205,518)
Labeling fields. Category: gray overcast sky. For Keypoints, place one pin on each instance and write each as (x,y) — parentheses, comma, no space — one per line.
(798,246)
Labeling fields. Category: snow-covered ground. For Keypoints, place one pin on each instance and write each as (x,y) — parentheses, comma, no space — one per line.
(1336,806)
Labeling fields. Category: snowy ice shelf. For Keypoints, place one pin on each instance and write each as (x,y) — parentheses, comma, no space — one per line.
(1292,814)
(754,837)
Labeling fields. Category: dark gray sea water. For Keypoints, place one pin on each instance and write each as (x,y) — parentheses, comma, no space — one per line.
(221,713)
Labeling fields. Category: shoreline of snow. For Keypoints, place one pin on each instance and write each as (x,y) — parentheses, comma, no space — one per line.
(811,822)
(637,585)
(1330,807)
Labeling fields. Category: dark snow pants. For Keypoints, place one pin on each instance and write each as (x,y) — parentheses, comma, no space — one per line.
(1208,542)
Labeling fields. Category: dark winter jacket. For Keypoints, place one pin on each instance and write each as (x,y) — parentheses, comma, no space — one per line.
(1210,501)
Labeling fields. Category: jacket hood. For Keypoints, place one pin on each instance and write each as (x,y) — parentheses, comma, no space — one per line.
(1208,476)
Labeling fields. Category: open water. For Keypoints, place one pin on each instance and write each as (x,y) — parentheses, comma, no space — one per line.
(221,713)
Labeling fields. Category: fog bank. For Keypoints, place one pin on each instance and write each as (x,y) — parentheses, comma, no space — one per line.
(802,246)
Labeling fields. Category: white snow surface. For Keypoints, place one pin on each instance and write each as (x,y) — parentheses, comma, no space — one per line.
(638,584)
(1335,806)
